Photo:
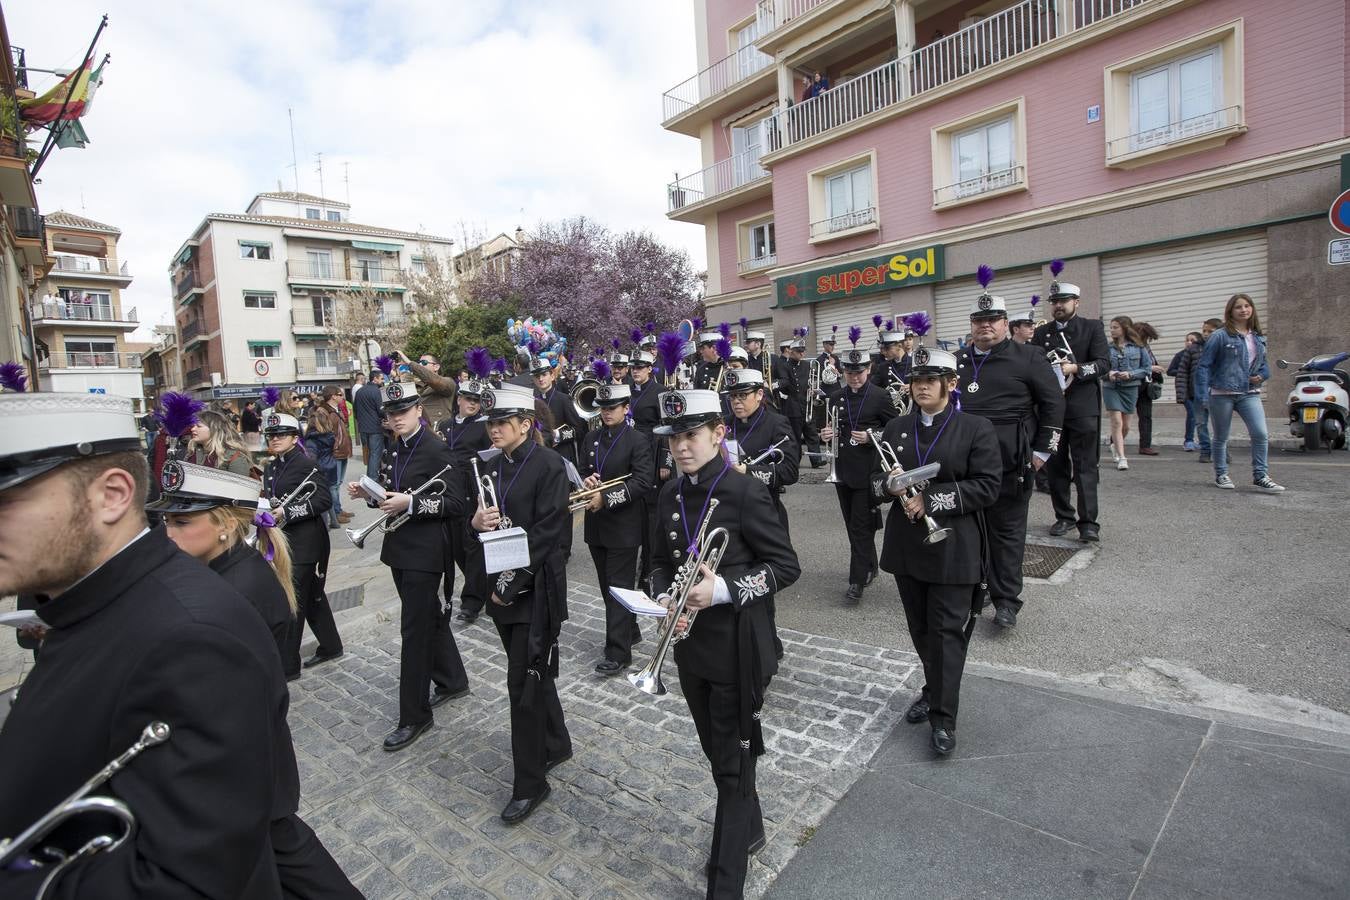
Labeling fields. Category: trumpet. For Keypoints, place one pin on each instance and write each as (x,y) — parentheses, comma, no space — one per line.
(895,386)
(303,491)
(832,422)
(908,484)
(487,492)
(578,500)
(1058,356)
(27,851)
(774,450)
(708,550)
(436,484)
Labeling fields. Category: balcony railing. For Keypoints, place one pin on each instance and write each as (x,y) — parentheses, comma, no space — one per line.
(1015,30)
(982,184)
(715,79)
(771,14)
(94,265)
(186,282)
(93,360)
(855,219)
(375,273)
(1174,132)
(58,309)
(26,222)
(719,178)
(312,366)
(194,376)
(1086,12)
(361,271)
(311,318)
(192,329)
(755,263)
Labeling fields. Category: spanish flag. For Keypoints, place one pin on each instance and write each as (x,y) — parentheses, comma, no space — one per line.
(46,108)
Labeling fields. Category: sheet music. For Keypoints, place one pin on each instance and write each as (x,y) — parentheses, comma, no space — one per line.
(637,602)
(21,618)
(372,488)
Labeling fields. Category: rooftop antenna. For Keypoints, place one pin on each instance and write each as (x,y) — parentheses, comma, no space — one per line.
(318,167)
(347,181)
(295,160)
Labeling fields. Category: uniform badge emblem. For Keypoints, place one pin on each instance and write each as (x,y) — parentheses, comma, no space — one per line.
(673,405)
(603,392)
(753,585)
(943,501)
(171,479)
(1054,441)
(274,421)
(614,498)
(731,380)
(985,303)
(489,400)
(921,357)
(394,391)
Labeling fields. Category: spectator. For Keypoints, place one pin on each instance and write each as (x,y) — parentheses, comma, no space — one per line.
(1182,386)
(250,426)
(368,402)
(819,85)
(1128,369)
(321,440)
(1187,371)
(436,391)
(1228,379)
(335,404)
(215,442)
(1144,407)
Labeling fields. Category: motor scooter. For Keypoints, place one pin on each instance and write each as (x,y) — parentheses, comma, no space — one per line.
(1319,402)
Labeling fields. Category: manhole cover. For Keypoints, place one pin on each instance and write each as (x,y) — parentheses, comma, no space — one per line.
(1042,561)
(349,598)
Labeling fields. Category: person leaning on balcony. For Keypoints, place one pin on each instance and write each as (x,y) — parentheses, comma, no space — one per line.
(437,392)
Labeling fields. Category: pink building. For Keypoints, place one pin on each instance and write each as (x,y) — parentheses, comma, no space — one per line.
(1172,152)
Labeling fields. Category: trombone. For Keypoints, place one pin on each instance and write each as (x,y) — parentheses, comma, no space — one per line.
(708,550)
(579,500)
(303,491)
(28,850)
(436,484)
(908,484)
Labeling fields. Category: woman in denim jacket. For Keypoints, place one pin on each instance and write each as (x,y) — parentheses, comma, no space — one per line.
(1228,379)
(1130,367)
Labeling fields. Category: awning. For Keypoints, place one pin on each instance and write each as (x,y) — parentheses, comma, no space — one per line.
(311,337)
(376,245)
(185,255)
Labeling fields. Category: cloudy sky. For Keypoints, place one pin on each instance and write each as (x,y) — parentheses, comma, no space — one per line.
(472,114)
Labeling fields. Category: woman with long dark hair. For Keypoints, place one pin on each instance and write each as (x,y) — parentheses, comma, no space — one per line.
(1128,368)
(217,444)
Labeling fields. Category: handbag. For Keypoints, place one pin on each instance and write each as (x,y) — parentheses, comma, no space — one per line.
(1155,388)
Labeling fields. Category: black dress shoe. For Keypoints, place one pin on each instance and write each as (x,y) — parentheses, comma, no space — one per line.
(944,742)
(609,667)
(1006,617)
(440,695)
(1060,528)
(871,577)
(468,618)
(1089,534)
(321,658)
(551,764)
(755,846)
(918,711)
(636,639)
(293,677)
(519,810)
(854,593)
(404,735)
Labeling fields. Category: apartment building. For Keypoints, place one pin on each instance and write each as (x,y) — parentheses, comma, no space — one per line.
(258,295)
(22,255)
(80,326)
(159,363)
(1172,152)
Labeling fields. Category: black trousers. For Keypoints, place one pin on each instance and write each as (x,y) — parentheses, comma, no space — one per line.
(464,550)
(715,708)
(798,425)
(305,868)
(538,731)
(1006,524)
(429,651)
(1076,462)
(1143,408)
(860,521)
(937,616)
(312,607)
(648,539)
(617,567)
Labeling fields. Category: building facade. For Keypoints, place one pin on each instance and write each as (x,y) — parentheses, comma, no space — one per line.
(159,363)
(79,322)
(864,157)
(272,295)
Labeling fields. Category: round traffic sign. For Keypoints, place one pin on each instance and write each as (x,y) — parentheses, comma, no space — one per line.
(260,366)
(1340,213)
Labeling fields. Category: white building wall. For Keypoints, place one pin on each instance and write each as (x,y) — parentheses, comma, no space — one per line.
(234,276)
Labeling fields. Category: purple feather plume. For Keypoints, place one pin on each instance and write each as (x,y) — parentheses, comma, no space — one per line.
(670,350)
(854,332)
(178,412)
(1035,298)
(651,327)
(834,329)
(635,335)
(13,377)
(616,343)
(271,396)
(385,364)
(806,329)
(603,373)
(499,364)
(724,329)
(876,321)
(723,348)
(697,323)
(478,361)
(745,323)
(890,324)
(984,275)
(919,323)
(1056,266)
(533,347)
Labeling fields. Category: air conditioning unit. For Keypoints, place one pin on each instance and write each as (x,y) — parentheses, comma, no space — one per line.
(217,379)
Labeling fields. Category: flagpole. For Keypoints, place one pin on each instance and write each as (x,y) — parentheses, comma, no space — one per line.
(58,124)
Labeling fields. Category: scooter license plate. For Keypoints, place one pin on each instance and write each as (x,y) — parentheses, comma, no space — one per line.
(1310,414)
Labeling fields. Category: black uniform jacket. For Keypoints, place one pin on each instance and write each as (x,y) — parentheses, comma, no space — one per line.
(406,465)
(532,490)
(464,440)
(612,453)
(643,409)
(705,375)
(305,528)
(1087,339)
(757,434)
(881,372)
(967,482)
(796,376)
(251,575)
(154,635)
(871,408)
(1019,394)
(559,404)
(759,562)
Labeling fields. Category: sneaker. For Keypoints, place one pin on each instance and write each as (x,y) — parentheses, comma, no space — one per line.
(1189,446)
(1115,457)
(1267,484)
(1205,457)
(1223,481)
(1121,464)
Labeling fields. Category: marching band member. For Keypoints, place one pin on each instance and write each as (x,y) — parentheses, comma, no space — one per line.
(528,604)
(826,356)
(862,407)
(568,428)
(757,356)
(307,536)
(705,371)
(938,581)
(727,660)
(138,633)
(415,555)
(1081,368)
(1023,327)
(616,517)
(1013,386)
(619,364)
(208,514)
(465,434)
(894,369)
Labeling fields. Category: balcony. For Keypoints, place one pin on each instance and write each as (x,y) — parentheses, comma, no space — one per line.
(20,60)
(356,272)
(195,376)
(990,184)
(56,312)
(27,227)
(194,332)
(187,286)
(318,367)
(733,180)
(756,264)
(311,321)
(718,89)
(1164,141)
(92,267)
(99,360)
(770,15)
(848,223)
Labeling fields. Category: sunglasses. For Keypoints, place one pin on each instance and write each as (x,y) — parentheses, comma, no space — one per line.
(427,362)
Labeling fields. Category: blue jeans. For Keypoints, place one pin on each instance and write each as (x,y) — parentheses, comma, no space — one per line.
(1190,421)
(1248,406)
(1201,424)
(375,443)
(337,473)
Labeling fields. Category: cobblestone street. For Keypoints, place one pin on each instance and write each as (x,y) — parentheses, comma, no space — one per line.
(630,815)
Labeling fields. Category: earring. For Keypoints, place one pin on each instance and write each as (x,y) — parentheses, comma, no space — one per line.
(223,536)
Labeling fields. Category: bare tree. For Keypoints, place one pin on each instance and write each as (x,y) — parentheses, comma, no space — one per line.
(432,290)
(361,316)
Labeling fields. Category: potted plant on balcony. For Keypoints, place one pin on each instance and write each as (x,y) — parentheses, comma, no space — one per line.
(10,127)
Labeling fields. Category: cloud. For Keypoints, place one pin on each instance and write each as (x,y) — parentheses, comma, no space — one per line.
(490,114)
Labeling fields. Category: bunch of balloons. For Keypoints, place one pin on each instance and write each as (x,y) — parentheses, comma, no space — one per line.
(539,333)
